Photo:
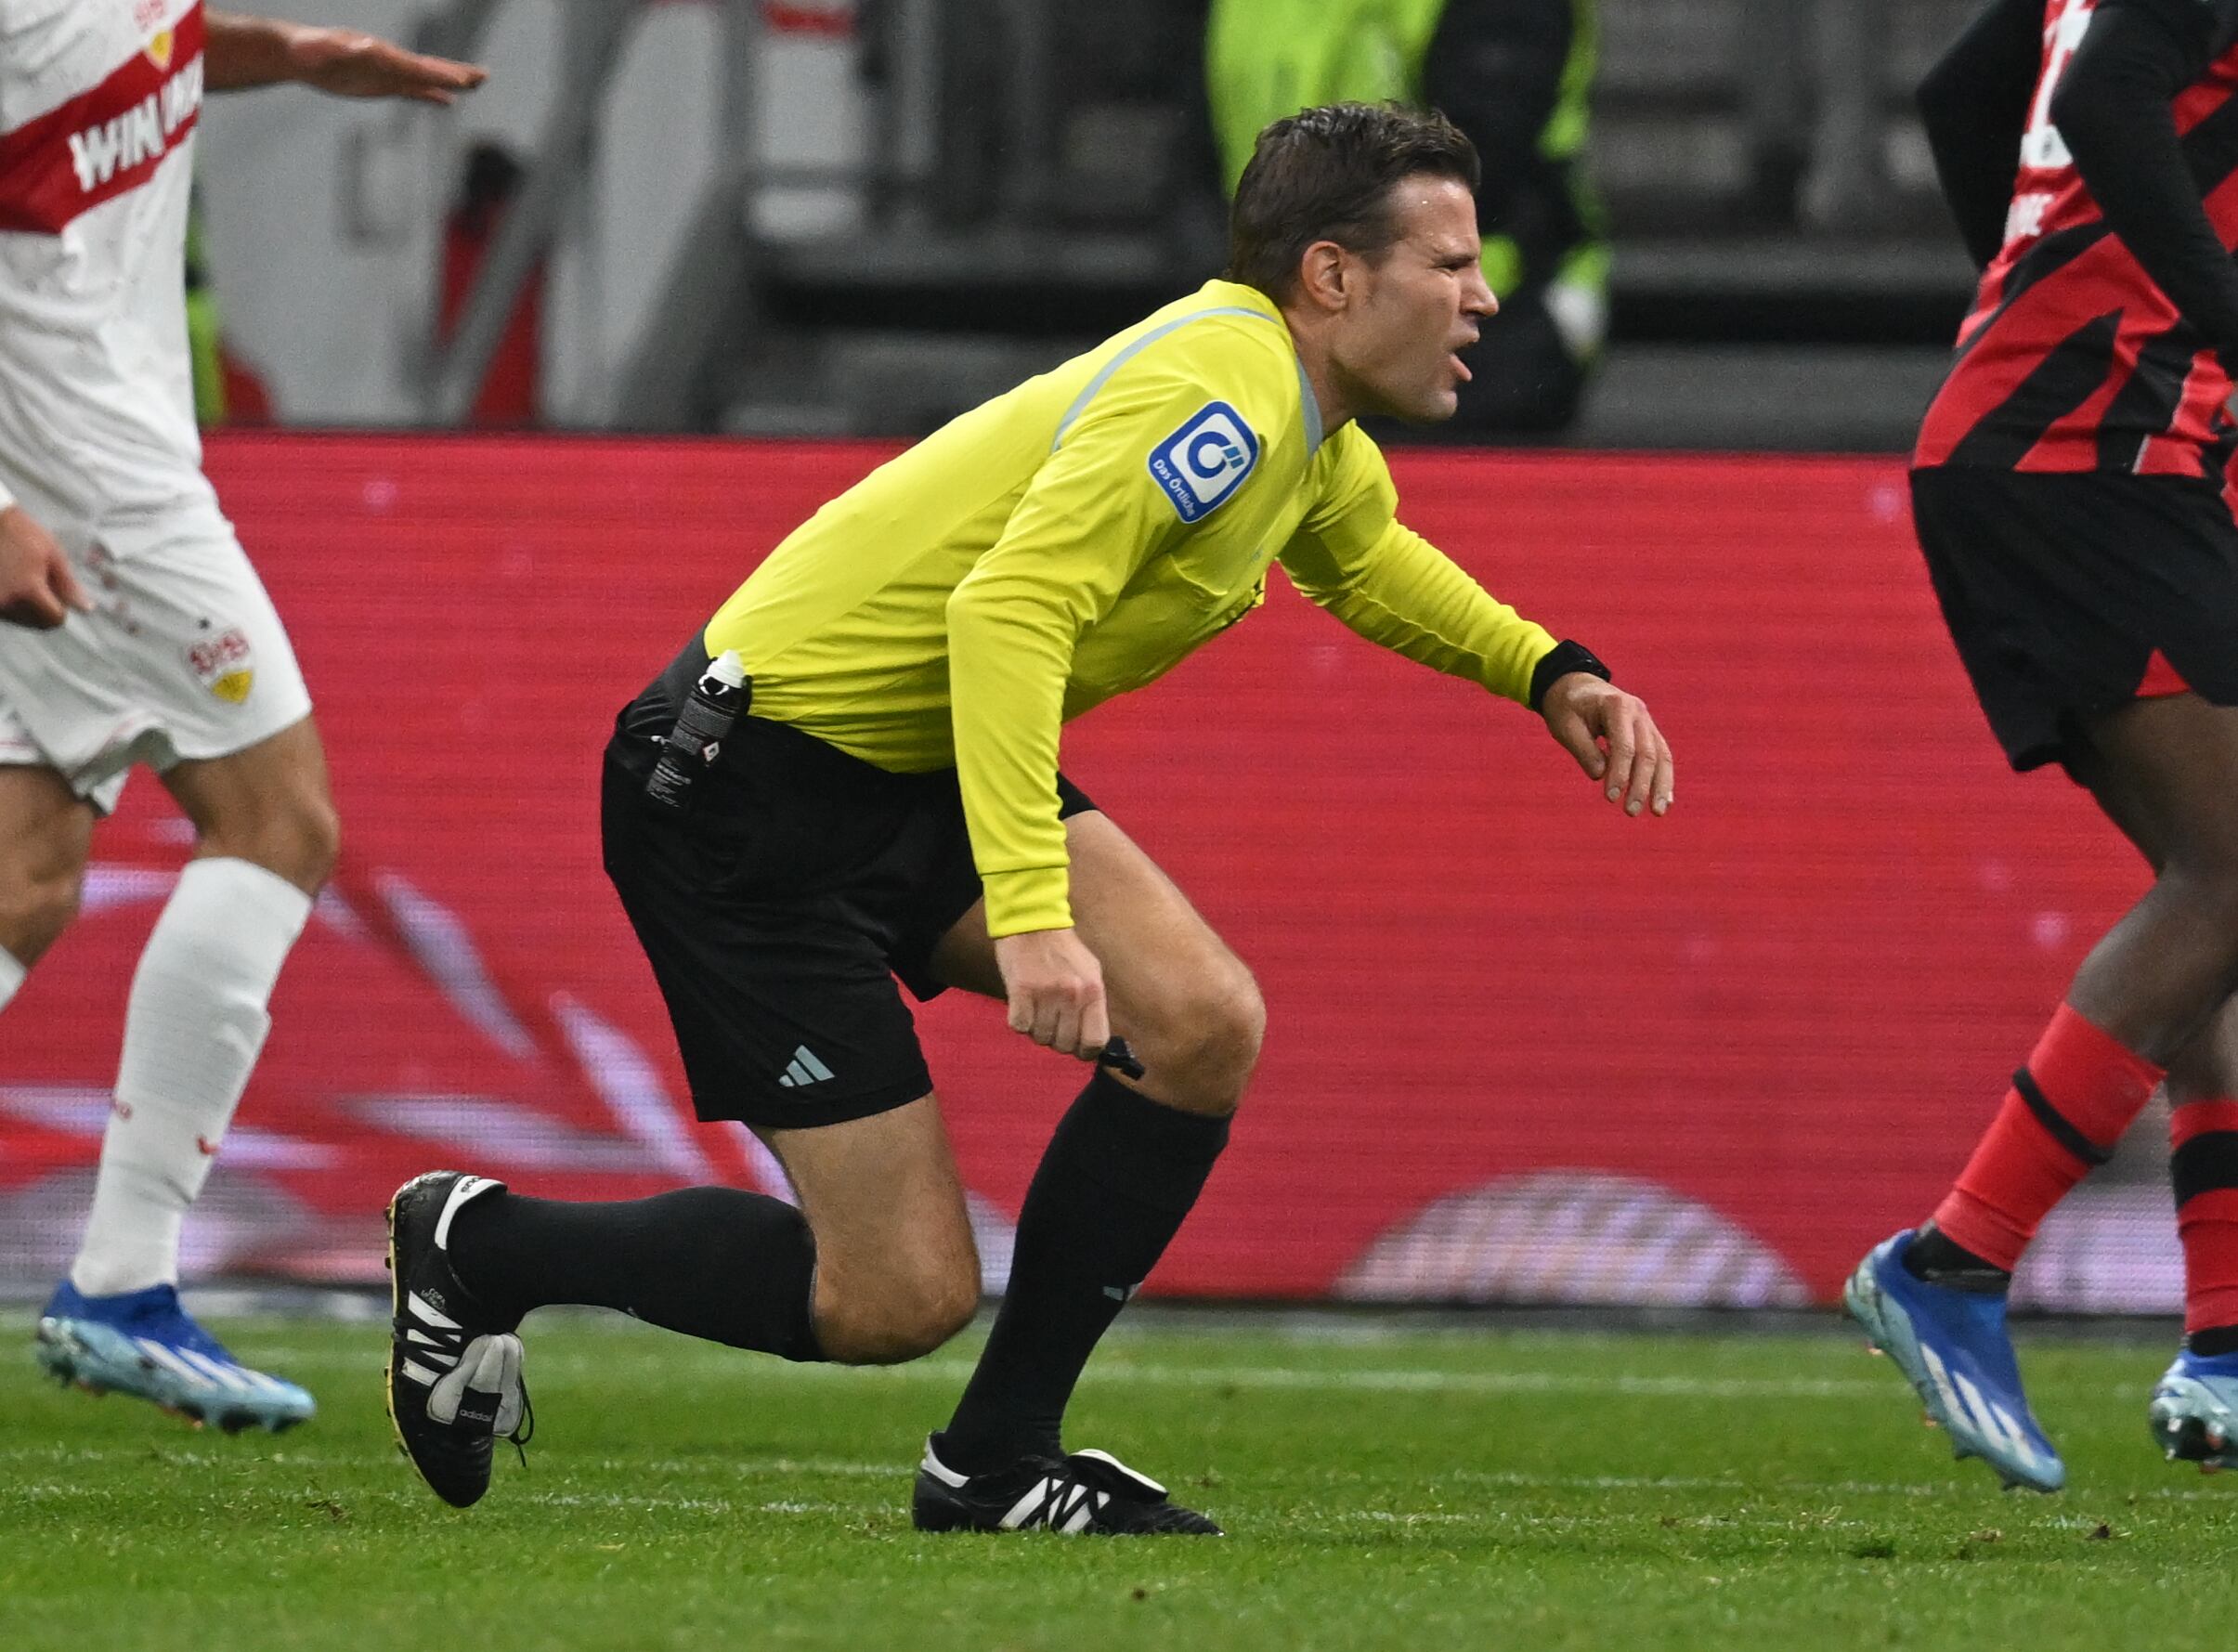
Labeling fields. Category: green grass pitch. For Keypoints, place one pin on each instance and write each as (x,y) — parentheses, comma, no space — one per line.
(1478,1488)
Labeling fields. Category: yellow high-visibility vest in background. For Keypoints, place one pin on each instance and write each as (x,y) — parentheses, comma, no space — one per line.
(1269,58)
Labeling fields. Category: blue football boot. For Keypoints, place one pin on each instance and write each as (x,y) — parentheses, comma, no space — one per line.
(1952,1346)
(2194,1411)
(144,1342)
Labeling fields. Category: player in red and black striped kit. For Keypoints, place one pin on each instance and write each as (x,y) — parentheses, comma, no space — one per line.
(2068,491)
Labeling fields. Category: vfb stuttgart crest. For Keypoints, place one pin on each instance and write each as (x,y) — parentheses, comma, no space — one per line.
(152,19)
(225,665)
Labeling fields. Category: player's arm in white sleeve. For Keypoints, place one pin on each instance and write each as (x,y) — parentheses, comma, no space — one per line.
(242,52)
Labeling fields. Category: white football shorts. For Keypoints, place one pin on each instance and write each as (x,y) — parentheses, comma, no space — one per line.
(183,658)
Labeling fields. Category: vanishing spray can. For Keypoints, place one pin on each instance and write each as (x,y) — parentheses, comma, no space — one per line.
(715,703)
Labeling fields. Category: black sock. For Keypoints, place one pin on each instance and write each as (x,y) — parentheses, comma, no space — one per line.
(2210,1340)
(1119,1176)
(1934,1257)
(733,1267)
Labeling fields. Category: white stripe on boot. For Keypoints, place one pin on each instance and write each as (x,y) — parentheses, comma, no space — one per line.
(193,1027)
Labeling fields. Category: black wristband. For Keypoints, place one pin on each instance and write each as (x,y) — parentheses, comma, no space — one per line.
(1561,659)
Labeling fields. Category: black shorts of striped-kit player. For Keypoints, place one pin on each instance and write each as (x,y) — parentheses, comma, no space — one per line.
(778,909)
(2070,595)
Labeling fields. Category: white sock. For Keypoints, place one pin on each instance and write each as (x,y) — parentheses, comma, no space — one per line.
(193,1027)
(11,976)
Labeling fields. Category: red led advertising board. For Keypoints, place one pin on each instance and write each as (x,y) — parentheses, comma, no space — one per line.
(1521,1048)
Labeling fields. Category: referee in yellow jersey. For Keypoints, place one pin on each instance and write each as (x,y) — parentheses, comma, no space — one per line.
(888,803)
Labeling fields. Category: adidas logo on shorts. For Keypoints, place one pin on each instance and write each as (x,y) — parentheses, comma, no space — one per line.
(804,1068)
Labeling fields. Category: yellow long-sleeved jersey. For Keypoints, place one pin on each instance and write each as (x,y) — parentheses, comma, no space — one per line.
(1074,538)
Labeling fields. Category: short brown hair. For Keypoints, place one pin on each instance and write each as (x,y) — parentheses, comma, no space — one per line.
(1327,174)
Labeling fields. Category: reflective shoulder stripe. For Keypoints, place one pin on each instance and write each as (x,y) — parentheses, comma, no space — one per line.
(1311,408)
(1104,372)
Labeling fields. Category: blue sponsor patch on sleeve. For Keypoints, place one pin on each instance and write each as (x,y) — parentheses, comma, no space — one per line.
(1204,461)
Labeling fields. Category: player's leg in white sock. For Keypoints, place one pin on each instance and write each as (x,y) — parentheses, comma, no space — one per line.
(193,1027)
(196,1018)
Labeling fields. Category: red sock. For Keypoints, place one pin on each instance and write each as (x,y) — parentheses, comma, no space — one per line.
(2090,1087)
(2204,1169)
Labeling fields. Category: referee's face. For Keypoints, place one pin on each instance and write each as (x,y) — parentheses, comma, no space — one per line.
(1398,342)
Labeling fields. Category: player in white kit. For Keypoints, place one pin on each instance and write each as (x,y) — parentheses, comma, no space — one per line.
(139,634)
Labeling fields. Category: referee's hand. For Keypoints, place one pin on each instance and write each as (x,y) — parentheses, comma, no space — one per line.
(1614,740)
(1056,989)
(36,586)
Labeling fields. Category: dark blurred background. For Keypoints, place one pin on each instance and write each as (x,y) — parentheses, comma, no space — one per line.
(828,219)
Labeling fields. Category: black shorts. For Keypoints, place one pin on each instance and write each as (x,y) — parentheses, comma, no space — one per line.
(2071,595)
(779,910)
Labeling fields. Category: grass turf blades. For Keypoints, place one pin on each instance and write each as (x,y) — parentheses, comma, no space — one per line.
(1472,1487)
